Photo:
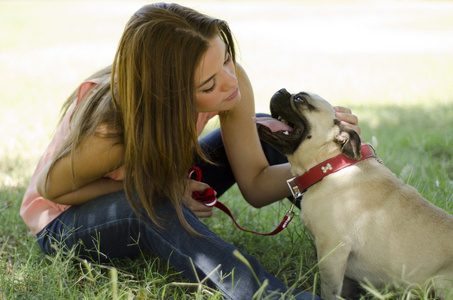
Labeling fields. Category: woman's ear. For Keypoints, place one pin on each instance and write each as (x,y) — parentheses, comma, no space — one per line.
(350,142)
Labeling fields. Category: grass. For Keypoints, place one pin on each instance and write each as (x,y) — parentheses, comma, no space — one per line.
(402,94)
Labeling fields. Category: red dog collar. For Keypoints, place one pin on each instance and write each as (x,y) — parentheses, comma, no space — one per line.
(298,185)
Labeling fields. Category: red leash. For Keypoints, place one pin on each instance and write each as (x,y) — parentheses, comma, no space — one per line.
(208,198)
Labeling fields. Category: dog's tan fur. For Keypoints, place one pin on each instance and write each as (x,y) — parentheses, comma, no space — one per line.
(367,224)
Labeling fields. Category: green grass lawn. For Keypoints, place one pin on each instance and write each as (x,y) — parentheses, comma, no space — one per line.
(395,71)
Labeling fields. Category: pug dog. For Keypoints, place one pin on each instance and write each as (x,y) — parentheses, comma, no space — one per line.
(367,224)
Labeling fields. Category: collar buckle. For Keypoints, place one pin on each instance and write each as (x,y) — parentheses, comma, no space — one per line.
(295,191)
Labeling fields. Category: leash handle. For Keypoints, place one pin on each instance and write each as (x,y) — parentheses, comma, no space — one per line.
(197,172)
(208,198)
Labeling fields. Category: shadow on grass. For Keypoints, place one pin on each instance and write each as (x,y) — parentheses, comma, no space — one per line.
(416,144)
(403,134)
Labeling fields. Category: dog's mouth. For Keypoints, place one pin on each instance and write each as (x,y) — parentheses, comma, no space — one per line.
(279,127)
(285,128)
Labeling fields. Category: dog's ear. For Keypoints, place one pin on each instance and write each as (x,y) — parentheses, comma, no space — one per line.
(350,142)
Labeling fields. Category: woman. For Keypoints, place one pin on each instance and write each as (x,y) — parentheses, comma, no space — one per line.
(115,176)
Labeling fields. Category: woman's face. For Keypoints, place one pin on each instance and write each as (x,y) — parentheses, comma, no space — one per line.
(216,84)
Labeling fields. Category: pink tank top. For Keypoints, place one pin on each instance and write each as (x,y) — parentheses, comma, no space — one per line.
(36,211)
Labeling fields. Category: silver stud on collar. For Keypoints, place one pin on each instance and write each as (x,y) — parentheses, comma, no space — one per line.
(326,168)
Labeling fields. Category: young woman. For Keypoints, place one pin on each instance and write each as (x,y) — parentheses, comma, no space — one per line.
(115,176)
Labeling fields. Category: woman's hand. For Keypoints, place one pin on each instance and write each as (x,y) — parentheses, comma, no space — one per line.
(199,209)
(347,119)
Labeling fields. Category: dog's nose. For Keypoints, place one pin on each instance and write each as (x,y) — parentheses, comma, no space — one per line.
(283,94)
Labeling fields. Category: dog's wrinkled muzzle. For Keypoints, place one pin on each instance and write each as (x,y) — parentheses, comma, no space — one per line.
(287,127)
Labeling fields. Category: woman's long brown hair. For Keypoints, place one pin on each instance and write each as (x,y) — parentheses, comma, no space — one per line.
(146,101)
(153,72)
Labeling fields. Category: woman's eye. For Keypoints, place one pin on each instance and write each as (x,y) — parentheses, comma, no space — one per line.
(210,89)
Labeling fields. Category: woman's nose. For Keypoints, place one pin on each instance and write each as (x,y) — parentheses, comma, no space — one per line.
(229,77)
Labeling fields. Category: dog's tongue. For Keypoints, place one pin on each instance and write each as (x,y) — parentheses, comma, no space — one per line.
(273,124)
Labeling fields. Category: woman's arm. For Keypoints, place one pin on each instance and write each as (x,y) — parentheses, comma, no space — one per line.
(90,191)
(259,183)
(92,160)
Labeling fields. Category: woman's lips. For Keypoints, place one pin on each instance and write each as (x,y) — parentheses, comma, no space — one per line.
(233,95)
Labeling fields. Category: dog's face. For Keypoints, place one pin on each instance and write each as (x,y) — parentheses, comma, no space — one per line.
(305,123)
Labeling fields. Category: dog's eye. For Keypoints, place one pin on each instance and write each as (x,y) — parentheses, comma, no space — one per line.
(299,99)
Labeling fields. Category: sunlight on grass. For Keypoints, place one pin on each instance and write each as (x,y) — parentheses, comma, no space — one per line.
(391,62)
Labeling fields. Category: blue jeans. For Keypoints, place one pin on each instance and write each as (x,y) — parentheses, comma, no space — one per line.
(108,226)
